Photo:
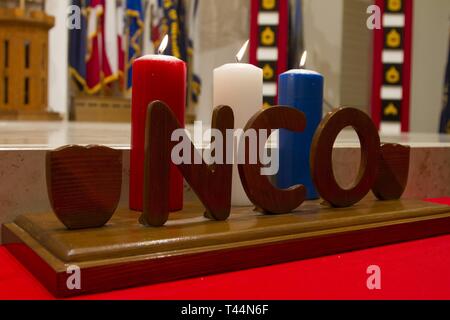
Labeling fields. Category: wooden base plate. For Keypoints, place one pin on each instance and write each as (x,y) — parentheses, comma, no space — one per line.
(125,254)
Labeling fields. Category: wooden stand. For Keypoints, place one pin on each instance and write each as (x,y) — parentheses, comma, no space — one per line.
(124,253)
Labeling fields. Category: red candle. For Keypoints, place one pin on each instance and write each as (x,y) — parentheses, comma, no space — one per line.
(155,77)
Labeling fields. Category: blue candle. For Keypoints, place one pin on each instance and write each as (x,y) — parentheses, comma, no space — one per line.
(303,90)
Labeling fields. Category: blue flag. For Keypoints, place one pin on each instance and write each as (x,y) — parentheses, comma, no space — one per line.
(445,117)
(174,24)
(78,46)
(195,81)
(135,20)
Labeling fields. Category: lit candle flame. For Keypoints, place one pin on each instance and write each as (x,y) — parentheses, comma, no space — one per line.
(163,45)
(242,52)
(303,59)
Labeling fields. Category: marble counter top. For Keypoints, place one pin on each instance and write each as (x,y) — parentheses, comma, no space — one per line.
(51,135)
(23,146)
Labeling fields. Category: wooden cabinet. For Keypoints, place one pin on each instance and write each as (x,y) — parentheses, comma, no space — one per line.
(24,65)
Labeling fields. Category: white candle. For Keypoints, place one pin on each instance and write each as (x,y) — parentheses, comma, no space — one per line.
(240,86)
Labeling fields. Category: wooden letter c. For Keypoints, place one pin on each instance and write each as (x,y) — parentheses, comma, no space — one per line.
(259,189)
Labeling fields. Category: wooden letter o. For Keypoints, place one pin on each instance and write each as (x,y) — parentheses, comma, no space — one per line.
(322,153)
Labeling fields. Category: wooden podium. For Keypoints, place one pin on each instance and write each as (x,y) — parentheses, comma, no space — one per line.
(24,65)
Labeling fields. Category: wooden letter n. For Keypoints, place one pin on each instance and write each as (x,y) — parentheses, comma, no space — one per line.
(211,183)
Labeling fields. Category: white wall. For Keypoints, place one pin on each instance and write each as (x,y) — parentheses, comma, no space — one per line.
(323,39)
(222,28)
(430,49)
(58,57)
(357,56)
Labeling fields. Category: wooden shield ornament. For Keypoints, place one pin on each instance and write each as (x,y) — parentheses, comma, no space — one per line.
(84,184)
(393,172)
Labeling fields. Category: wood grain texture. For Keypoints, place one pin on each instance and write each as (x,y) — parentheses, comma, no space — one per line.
(125,254)
(84,184)
(24,65)
(211,183)
(261,192)
(322,156)
(393,172)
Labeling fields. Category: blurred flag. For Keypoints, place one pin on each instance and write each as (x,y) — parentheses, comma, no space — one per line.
(392,57)
(110,57)
(151,21)
(135,26)
(174,24)
(94,58)
(445,117)
(121,40)
(269,30)
(183,35)
(194,79)
(157,18)
(78,47)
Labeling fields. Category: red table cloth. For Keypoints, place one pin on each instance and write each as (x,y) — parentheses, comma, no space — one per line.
(410,270)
